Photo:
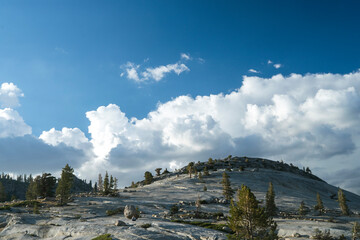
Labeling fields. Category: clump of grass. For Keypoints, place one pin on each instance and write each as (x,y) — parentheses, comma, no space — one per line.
(5,207)
(106,236)
(146,225)
(218,227)
(114,211)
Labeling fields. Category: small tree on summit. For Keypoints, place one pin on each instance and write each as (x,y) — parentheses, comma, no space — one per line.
(228,192)
(148,177)
(65,184)
(157,170)
(270,201)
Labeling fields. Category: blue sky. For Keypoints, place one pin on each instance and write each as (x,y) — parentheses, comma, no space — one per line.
(69,58)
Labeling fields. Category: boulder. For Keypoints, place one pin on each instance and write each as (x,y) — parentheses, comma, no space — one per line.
(119,223)
(130,212)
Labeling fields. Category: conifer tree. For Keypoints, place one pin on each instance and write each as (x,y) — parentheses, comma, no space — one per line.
(2,193)
(206,172)
(356,231)
(249,221)
(228,192)
(165,171)
(319,204)
(157,170)
(200,176)
(115,184)
(100,183)
(106,184)
(45,184)
(342,203)
(32,190)
(65,184)
(302,208)
(190,168)
(148,177)
(111,183)
(95,187)
(270,206)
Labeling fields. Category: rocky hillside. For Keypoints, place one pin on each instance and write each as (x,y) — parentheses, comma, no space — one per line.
(168,210)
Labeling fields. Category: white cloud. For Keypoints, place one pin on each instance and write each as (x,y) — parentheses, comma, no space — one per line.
(269,62)
(133,72)
(9,95)
(185,56)
(12,124)
(277,65)
(158,73)
(253,70)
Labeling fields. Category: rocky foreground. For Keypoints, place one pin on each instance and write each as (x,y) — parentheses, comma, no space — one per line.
(90,216)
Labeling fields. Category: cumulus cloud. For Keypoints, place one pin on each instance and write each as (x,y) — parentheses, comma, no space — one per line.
(310,120)
(136,73)
(9,95)
(12,124)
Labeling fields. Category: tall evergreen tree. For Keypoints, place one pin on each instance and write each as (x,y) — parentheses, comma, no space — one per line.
(148,177)
(32,190)
(270,206)
(190,168)
(95,187)
(356,231)
(115,184)
(111,183)
(46,184)
(228,192)
(342,203)
(2,193)
(100,183)
(248,220)
(65,183)
(319,204)
(106,184)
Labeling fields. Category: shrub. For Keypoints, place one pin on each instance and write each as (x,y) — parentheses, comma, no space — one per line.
(319,235)
(106,236)
(114,211)
(146,225)
(174,209)
(205,188)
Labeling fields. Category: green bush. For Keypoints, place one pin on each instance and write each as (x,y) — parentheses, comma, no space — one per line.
(106,236)
(174,209)
(146,225)
(114,211)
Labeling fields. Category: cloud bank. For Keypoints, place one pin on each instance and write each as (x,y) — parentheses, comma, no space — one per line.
(309,120)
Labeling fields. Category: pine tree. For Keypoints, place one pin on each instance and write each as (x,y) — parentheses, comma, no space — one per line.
(65,184)
(206,172)
(115,184)
(106,184)
(46,184)
(270,201)
(200,176)
(148,177)
(157,170)
(100,183)
(342,203)
(32,190)
(248,220)
(165,171)
(2,193)
(319,204)
(228,192)
(190,168)
(356,231)
(95,187)
(111,183)
(302,208)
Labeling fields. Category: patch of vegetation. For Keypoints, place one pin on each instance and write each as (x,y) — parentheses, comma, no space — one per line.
(218,227)
(146,225)
(25,203)
(106,236)
(319,235)
(5,207)
(174,209)
(114,211)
